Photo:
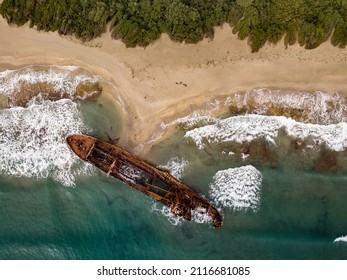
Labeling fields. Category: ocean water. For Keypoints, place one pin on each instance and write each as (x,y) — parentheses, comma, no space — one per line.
(272,161)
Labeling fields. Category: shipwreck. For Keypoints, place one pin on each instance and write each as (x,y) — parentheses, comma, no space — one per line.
(142,176)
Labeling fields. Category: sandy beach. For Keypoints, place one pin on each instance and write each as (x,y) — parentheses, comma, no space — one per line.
(263,138)
(167,80)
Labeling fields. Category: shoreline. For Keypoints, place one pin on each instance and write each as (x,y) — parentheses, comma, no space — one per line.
(168,80)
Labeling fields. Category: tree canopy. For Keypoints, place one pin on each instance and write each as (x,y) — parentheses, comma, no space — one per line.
(139,22)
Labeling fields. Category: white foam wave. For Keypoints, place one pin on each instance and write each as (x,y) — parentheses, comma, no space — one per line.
(68,67)
(341,239)
(166,212)
(32,141)
(237,188)
(62,78)
(199,215)
(196,119)
(176,166)
(318,107)
(247,128)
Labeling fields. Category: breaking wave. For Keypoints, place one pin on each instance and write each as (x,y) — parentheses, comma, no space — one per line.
(176,166)
(33,141)
(237,188)
(199,215)
(250,127)
(166,212)
(277,140)
(321,108)
(196,119)
(316,108)
(341,239)
(53,82)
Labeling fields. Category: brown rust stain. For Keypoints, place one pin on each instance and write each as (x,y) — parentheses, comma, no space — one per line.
(140,175)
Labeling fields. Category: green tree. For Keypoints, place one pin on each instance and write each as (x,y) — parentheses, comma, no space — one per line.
(139,22)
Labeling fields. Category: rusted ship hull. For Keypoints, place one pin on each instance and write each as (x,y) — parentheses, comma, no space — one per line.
(138,174)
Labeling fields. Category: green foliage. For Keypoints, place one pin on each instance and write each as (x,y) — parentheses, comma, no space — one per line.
(184,23)
(311,22)
(139,22)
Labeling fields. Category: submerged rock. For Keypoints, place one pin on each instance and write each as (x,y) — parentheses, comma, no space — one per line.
(272,140)
(50,82)
(3,101)
(327,161)
(28,91)
(316,108)
(88,91)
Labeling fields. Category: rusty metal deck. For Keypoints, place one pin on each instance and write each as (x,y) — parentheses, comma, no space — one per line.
(140,175)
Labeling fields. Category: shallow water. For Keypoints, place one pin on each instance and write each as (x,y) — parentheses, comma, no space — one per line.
(274,207)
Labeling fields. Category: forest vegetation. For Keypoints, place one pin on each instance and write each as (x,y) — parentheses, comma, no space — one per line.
(140,22)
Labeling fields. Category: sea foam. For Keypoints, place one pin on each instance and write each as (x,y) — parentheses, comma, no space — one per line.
(341,239)
(199,215)
(166,212)
(246,128)
(237,188)
(60,80)
(196,119)
(176,166)
(317,108)
(32,141)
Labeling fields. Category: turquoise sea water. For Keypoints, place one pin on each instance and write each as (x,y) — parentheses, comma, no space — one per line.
(102,219)
(298,211)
